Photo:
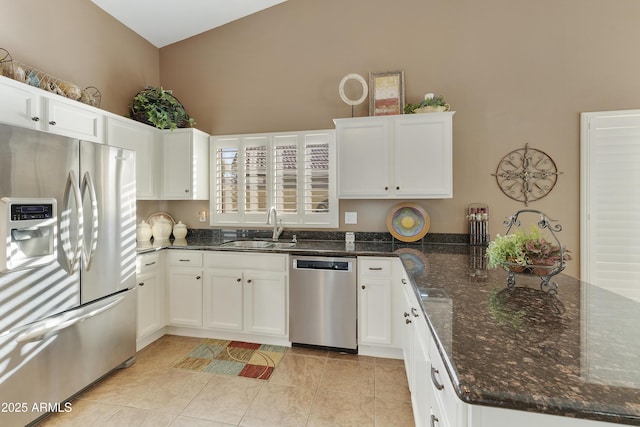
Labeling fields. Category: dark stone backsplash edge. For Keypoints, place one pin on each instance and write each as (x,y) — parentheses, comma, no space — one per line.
(360,236)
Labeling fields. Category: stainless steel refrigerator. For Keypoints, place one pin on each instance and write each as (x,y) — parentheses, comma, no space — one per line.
(67,269)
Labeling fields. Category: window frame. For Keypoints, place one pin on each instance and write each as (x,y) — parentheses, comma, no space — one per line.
(302,218)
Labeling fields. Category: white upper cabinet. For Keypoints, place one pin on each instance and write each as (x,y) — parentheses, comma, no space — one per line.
(145,141)
(20,104)
(26,106)
(403,156)
(185,165)
(73,119)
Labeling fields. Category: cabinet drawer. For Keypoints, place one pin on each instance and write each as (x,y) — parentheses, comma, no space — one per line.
(374,267)
(147,262)
(245,261)
(445,399)
(179,258)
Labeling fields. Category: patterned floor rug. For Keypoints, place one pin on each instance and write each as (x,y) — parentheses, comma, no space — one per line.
(235,358)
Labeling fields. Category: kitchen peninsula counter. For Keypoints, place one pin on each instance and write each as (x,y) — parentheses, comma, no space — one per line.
(574,353)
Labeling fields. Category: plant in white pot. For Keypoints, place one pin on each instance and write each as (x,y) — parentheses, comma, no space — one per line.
(430,104)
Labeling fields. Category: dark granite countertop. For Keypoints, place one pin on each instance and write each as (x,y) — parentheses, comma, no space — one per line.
(575,353)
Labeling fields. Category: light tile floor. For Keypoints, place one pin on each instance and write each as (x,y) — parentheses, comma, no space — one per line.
(309,388)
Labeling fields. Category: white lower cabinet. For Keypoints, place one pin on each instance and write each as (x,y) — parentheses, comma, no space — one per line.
(151,301)
(433,399)
(415,346)
(246,293)
(184,283)
(380,295)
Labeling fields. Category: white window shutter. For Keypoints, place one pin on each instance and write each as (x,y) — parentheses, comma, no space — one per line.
(610,201)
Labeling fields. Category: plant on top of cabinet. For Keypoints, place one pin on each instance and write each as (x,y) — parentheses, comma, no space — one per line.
(430,104)
(158,107)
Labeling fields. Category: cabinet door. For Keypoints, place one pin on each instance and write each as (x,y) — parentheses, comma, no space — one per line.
(363,158)
(143,139)
(150,304)
(421,394)
(185,165)
(223,299)
(73,119)
(151,294)
(408,335)
(374,311)
(423,156)
(266,303)
(185,297)
(20,106)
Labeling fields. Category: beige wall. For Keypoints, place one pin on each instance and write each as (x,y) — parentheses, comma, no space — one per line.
(77,41)
(515,71)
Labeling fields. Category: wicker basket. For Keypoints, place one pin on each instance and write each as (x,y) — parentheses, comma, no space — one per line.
(13,69)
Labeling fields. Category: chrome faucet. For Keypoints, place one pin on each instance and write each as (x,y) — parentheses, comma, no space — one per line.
(276,230)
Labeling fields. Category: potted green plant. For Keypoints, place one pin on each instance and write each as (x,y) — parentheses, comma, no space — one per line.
(158,107)
(430,104)
(524,251)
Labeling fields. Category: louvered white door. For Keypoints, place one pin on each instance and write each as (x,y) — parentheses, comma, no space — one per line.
(610,201)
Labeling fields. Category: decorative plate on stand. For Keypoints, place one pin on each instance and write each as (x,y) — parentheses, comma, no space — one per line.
(154,216)
(408,222)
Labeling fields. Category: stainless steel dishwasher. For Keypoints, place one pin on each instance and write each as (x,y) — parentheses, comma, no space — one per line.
(322,302)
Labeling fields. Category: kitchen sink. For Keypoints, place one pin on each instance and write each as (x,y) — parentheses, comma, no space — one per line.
(282,245)
(257,244)
(247,244)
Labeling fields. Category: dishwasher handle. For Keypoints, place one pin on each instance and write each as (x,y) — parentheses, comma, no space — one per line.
(333,265)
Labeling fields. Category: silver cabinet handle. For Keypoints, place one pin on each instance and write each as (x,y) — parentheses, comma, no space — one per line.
(435,381)
(434,421)
(52,123)
(149,263)
(184,260)
(35,118)
(375,268)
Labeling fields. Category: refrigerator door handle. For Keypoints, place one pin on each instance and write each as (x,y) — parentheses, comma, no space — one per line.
(71,253)
(45,328)
(91,230)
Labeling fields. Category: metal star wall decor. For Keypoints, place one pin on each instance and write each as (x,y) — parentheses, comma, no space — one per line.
(526,174)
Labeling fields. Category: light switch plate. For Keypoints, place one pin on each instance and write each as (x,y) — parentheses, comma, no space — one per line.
(351,217)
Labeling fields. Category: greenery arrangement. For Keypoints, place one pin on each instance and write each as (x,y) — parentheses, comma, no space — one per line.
(158,107)
(430,100)
(525,249)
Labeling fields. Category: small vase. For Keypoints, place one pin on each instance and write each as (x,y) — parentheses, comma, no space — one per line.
(179,230)
(143,232)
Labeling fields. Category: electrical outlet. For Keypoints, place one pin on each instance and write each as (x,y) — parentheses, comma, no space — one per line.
(351,217)
(202,216)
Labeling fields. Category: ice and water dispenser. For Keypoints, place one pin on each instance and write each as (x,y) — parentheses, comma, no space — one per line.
(28,228)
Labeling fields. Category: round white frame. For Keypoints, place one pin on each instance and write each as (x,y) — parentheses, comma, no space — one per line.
(365,89)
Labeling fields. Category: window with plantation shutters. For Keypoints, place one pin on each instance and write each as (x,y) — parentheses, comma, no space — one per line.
(293,171)
(610,201)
